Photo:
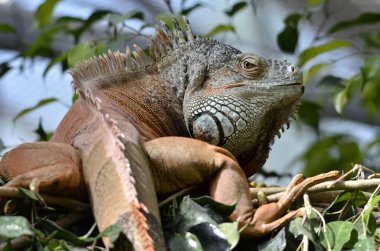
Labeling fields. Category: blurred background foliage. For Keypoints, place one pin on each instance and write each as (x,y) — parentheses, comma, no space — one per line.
(328,94)
(352,96)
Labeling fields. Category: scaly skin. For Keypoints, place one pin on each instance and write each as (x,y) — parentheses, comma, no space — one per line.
(196,111)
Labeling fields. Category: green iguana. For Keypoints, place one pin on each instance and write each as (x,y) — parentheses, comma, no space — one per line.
(196,111)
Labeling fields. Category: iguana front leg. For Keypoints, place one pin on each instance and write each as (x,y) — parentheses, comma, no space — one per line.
(181,162)
(55,166)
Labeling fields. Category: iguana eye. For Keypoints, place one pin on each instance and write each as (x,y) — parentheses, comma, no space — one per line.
(251,67)
(248,65)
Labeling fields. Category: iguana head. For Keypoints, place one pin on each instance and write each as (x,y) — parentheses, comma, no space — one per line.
(243,99)
(231,99)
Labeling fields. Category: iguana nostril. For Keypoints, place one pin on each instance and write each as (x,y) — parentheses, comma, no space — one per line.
(292,68)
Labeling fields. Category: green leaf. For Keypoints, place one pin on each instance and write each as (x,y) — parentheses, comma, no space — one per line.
(42,45)
(329,153)
(193,214)
(116,18)
(219,29)
(28,193)
(366,244)
(341,98)
(6,28)
(38,105)
(54,61)
(186,11)
(50,227)
(184,242)
(372,39)
(112,232)
(363,19)
(4,68)
(82,52)
(299,228)
(93,18)
(312,71)
(312,52)
(236,8)
(287,39)
(42,134)
(224,209)
(309,113)
(368,208)
(338,233)
(44,12)
(313,3)
(2,146)
(14,226)
(210,236)
(231,231)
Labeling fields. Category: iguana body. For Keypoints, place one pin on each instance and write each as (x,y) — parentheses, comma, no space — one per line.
(134,127)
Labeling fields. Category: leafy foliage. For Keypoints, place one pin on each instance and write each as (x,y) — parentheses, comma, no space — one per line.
(201,224)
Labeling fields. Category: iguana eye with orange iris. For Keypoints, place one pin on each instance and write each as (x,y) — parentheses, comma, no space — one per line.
(250,67)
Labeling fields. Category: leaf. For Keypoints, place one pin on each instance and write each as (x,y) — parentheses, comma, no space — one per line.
(116,18)
(38,105)
(224,209)
(368,208)
(309,113)
(4,68)
(338,233)
(112,232)
(54,61)
(366,244)
(219,29)
(6,28)
(49,227)
(193,214)
(2,146)
(312,52)
(28,193)
(210,237)
(14,226)
(313,3)
(287,39)
(93,18)
(297,228)
(341,98)
(42,134)
(186,11)
(184,242)
(82,52)
(231,231)
(277,243)
(312,71)
(236,8)
(363,19)
(44,12)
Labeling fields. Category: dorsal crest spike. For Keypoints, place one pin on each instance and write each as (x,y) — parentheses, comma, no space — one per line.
(140,56)
(189,32)
(166,40)
(178,31)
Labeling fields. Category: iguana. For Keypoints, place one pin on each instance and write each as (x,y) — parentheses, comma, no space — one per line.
(195,111)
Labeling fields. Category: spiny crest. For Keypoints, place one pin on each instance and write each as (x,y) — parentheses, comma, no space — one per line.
(166,41)
(115,67)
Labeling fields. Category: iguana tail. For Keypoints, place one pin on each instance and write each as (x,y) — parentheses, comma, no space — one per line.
(112,162)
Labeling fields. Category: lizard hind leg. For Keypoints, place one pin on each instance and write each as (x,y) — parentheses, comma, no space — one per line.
(55,166)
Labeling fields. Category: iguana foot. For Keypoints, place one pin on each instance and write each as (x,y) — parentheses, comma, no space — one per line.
(181,162)
(272,216)
(55,166)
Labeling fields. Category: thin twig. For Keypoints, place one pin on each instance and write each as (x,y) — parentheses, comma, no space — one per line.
(73,205)
(178,194)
